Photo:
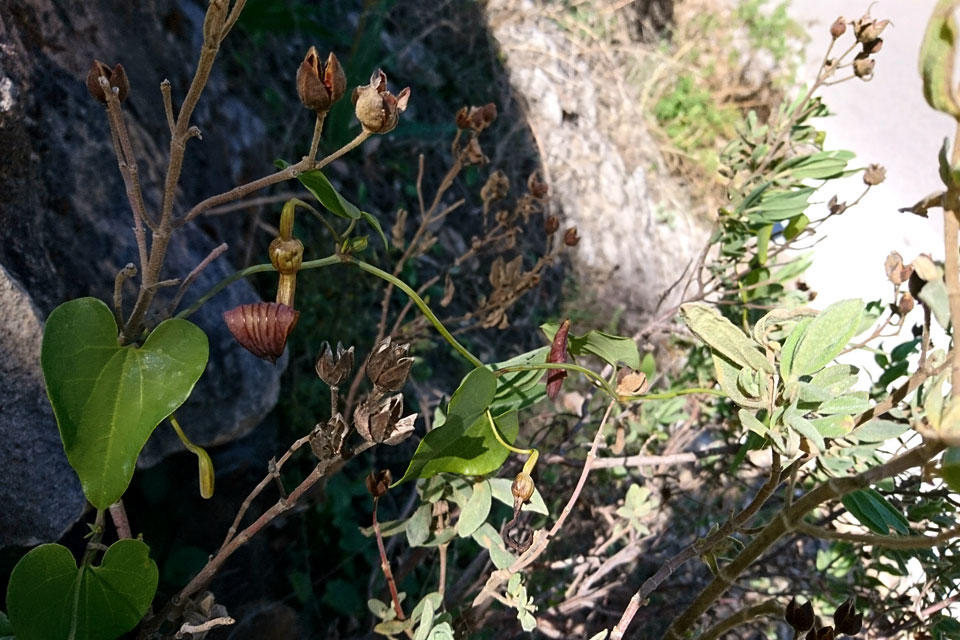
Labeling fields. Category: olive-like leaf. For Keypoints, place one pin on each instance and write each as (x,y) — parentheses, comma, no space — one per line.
(722,336)
(937,53)
(823,338)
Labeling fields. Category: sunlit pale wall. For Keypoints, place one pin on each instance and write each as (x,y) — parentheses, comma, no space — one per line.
(888,122)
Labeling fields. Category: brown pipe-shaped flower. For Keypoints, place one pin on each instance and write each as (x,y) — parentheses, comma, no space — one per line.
(319,85)
(262,328)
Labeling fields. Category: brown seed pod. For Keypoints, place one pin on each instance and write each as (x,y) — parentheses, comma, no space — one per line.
(377,109)
(379,482)
(319,85)
(262,328)
(117,78)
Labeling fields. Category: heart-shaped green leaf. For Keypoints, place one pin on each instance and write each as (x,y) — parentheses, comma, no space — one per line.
(464,443)
(48,598)
(108,398)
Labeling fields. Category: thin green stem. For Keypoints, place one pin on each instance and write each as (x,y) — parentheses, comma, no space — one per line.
(666,395)
(506,445)
(248,271)
(593,375)
(417,300)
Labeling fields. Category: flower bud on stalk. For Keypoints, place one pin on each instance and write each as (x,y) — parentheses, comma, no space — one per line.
(522,489)
(262,328)
(838,28)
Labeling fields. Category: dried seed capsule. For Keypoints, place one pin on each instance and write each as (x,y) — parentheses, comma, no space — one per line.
(377,109)
(117,78)
(379,482)
(551,224)
(874,175)
(388,365)
(332,368)
(846,619)
(320,85)
(838,28)
(800,617)
(570,238)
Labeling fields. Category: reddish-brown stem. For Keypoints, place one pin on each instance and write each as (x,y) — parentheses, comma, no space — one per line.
(385,565)
(119,516)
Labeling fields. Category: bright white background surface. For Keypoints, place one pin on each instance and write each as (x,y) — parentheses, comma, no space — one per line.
(885,121)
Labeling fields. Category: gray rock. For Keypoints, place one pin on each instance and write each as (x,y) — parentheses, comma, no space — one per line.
(637,235)
(65,226)
(34,510)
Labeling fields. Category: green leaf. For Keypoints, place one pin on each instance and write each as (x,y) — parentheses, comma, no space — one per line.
(836,379)
(880,430)
(476,510)
(796,226)
(934,296)
(763,243)
(873,511)
(835,426)
(609,348)
(795,420)
(321,188)
(793,268)
(776,206)
(488,538)
(48,598)
(376,225)
(824,338)
(721,335)
(937,54)
(464,443)
(727,375)
(418,526)
(108,399)
(426,621)
(817,166)
(519,389)
(750,421)
(502,491)
(856,402)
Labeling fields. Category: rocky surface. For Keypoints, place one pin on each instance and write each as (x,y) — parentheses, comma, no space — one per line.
(636,237)
(65,225)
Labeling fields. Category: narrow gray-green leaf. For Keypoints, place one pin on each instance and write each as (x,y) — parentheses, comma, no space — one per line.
(826,336)
(721,335)
(804,427)
(937,55)
(475,512)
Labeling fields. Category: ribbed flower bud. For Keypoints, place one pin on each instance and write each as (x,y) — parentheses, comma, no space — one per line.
(522,488)
(838,28)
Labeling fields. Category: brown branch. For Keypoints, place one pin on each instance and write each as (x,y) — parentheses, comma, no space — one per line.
(786,521)
(213,255)
(889,542)
(541,540)
(698,547)
(385,564)
(767,608)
